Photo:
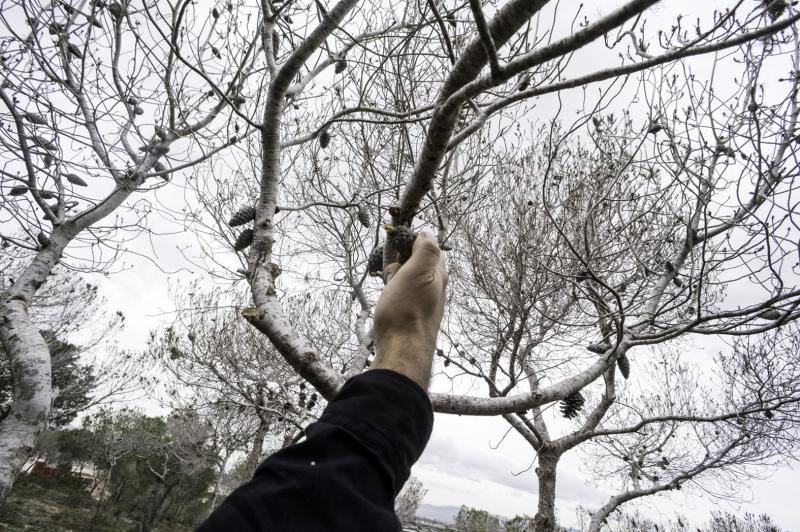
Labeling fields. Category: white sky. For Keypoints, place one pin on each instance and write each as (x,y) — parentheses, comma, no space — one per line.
(459,466)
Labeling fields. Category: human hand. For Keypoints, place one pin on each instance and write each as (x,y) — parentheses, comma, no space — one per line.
(409,312)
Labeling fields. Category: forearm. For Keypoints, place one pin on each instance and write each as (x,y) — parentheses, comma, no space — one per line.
(347,472)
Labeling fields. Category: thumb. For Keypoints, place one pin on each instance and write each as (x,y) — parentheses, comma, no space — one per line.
(389,271)
(425,253)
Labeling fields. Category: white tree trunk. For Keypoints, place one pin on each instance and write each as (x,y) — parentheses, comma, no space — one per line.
(29,359)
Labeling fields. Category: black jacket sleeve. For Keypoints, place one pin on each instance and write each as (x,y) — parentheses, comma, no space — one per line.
(347,472)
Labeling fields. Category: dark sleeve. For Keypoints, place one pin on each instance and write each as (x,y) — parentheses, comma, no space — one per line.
(347,472)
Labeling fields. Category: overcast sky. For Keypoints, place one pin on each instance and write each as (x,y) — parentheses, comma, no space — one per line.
(461,464)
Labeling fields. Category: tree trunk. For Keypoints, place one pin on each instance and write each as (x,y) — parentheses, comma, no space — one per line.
(545,520)
(29,359)
(254,456)
(213,502)
(156,499)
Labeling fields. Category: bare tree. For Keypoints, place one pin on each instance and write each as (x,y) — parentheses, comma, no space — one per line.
(212,362)
(95,97)
(616,233)
(409,499)
(373,112)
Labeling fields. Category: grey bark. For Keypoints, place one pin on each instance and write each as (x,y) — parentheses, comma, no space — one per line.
(545,520)
(218,483)
(254,456)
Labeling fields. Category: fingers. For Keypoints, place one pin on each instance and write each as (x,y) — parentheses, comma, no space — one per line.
(425,256)
(425,253)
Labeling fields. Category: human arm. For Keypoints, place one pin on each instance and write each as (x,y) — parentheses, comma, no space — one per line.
(409,312)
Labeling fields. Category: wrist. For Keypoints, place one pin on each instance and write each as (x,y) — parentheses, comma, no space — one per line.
(407,354)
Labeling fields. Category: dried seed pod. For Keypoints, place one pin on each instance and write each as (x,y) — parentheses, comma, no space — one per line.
(18,190)
(324,139)
(624,365)
(215,13)
(341,66)
(771,314)
(363,215)
(116,10)
(244,240)
(43,143)
(654,128)
(572,404)
(74,50)
(75,180)
(242,216)
(33,118)
(138,111)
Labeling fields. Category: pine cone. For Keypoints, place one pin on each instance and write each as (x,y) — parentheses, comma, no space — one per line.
(75,180)
(324,139)
(117,11)
(243,216)
(624,366)
(402,239)
(770,314)
(33,118)
(244,240)
(44,143)
(775,8)
(572,404)
(363,215)
(375,261)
